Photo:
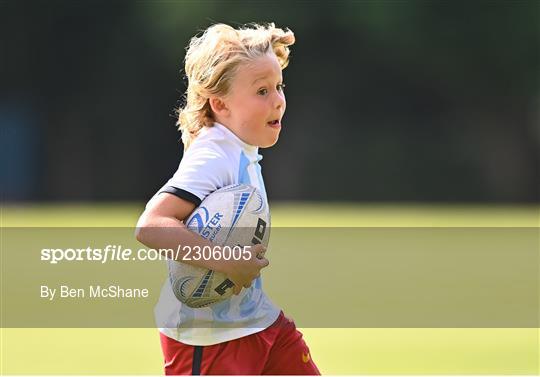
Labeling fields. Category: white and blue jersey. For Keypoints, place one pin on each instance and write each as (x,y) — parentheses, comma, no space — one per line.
(215,159)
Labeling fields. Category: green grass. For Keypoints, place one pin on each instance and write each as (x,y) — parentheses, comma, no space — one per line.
(336,351)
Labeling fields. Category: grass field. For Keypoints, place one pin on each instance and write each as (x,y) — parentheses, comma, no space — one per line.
(336,351)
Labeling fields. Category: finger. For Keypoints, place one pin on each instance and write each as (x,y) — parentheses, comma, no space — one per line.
(259,250)
(263,262)
(260,254)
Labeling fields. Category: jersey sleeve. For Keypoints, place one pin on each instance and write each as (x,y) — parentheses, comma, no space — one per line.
(202,171)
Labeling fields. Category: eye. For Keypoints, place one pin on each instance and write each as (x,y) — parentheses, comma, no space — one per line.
(262,91)
(280,87)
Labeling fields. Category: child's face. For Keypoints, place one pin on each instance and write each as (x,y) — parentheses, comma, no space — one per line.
(256,102)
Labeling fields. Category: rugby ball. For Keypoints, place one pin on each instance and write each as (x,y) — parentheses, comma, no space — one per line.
(231,217)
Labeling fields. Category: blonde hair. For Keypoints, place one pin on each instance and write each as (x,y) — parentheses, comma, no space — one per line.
(211,62)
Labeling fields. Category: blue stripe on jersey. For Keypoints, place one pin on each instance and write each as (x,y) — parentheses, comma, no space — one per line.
(221,310)
(261,181)
(258,281)
(243,175)
(249,302)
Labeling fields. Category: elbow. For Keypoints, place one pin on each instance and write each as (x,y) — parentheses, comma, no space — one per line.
(142,229)
(140,234)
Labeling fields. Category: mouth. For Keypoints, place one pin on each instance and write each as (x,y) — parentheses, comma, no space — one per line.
(274,123)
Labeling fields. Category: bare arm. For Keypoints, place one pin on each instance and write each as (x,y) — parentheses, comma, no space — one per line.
(161,227)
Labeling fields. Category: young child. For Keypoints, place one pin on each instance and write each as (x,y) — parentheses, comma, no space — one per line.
(234,105)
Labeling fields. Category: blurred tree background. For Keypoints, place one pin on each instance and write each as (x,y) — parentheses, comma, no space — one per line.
(387,100)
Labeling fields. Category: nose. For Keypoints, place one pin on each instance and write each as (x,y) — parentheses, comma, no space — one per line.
(279,101)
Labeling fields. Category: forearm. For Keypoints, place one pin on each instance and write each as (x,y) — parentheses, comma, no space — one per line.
(170,233)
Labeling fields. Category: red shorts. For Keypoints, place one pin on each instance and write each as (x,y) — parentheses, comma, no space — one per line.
(279,349)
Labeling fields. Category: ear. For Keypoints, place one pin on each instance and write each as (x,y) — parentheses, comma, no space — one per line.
(218,106)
